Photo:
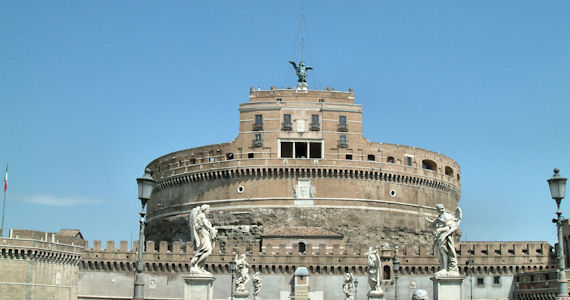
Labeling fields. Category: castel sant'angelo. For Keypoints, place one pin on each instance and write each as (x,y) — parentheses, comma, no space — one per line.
(305,197)
(301,159)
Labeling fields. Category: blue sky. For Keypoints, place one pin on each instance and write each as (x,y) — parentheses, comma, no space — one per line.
(92,91)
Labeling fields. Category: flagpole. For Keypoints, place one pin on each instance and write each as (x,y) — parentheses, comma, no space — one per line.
(4,205)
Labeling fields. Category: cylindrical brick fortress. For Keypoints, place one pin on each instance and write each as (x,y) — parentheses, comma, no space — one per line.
(300,159)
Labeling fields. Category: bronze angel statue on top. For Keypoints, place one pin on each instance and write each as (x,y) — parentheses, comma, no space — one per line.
(301,71)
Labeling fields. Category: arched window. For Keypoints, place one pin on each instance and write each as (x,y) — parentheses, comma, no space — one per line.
(386,273)
(448,171)
(302,247)
(429,165)
(390,159)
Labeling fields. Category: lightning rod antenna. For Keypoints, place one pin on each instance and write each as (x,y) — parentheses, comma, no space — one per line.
(303,37)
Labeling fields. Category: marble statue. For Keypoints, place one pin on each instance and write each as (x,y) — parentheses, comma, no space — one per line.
(242,274)
(301,71)
(374,271)
(347,286)
(420,295)
(444,245)
(256,280)
(202,235)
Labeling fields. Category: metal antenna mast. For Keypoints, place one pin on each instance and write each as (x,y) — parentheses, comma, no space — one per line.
(303,37)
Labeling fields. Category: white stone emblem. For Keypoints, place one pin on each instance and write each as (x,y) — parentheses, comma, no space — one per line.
(303,189)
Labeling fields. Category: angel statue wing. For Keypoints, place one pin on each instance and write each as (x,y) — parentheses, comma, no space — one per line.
(309,68)
(192,225)
(458,215)
(294,64)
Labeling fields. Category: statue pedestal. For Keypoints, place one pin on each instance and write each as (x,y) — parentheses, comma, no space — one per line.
(199,287)
(241,295)
(376,295)
(447,287)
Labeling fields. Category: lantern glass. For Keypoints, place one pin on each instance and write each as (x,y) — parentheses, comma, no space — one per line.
(145,185)
(557,185)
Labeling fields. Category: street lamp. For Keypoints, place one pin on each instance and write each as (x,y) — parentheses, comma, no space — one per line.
(355,288)
(557,186)
(396,263)
(145,186)
(233,269)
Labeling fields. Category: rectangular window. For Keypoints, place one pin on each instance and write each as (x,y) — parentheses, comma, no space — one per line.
(349,157)
(480,282)
(314,126)
(286,126)
(409,161)
(258,137)
(250,155)
(371,157)
(258,122)
(342,141)
(315,150)
(342,124)
(300,150)
(192,161)
(287,149)
(496,280)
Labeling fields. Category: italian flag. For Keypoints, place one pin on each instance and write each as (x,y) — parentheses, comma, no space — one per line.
(6,179)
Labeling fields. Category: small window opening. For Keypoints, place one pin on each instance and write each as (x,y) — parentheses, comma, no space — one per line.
(429,165)
(229,156)
(409,161)
(371,157)
(342,124)
(302,247)
(321,100)
(258,122)
(349,157)
(480,281)
(496,280)
(250,155)
(386,273)
(211,159)
(192,161)
(390,159)
(279,99)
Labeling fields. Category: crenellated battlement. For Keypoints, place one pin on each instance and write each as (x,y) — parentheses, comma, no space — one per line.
(488,257)
(40,251)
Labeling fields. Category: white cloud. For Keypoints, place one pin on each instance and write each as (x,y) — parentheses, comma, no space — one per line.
(61,201)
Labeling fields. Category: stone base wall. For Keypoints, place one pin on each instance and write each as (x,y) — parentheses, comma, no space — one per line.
(245,226)
(116,285)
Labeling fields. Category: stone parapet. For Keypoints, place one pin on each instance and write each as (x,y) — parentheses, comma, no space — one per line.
(324,260)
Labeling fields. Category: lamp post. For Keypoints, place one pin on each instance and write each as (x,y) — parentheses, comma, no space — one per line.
(233,269)
(557,186)
(145,186)
(355,288)
(396,263)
